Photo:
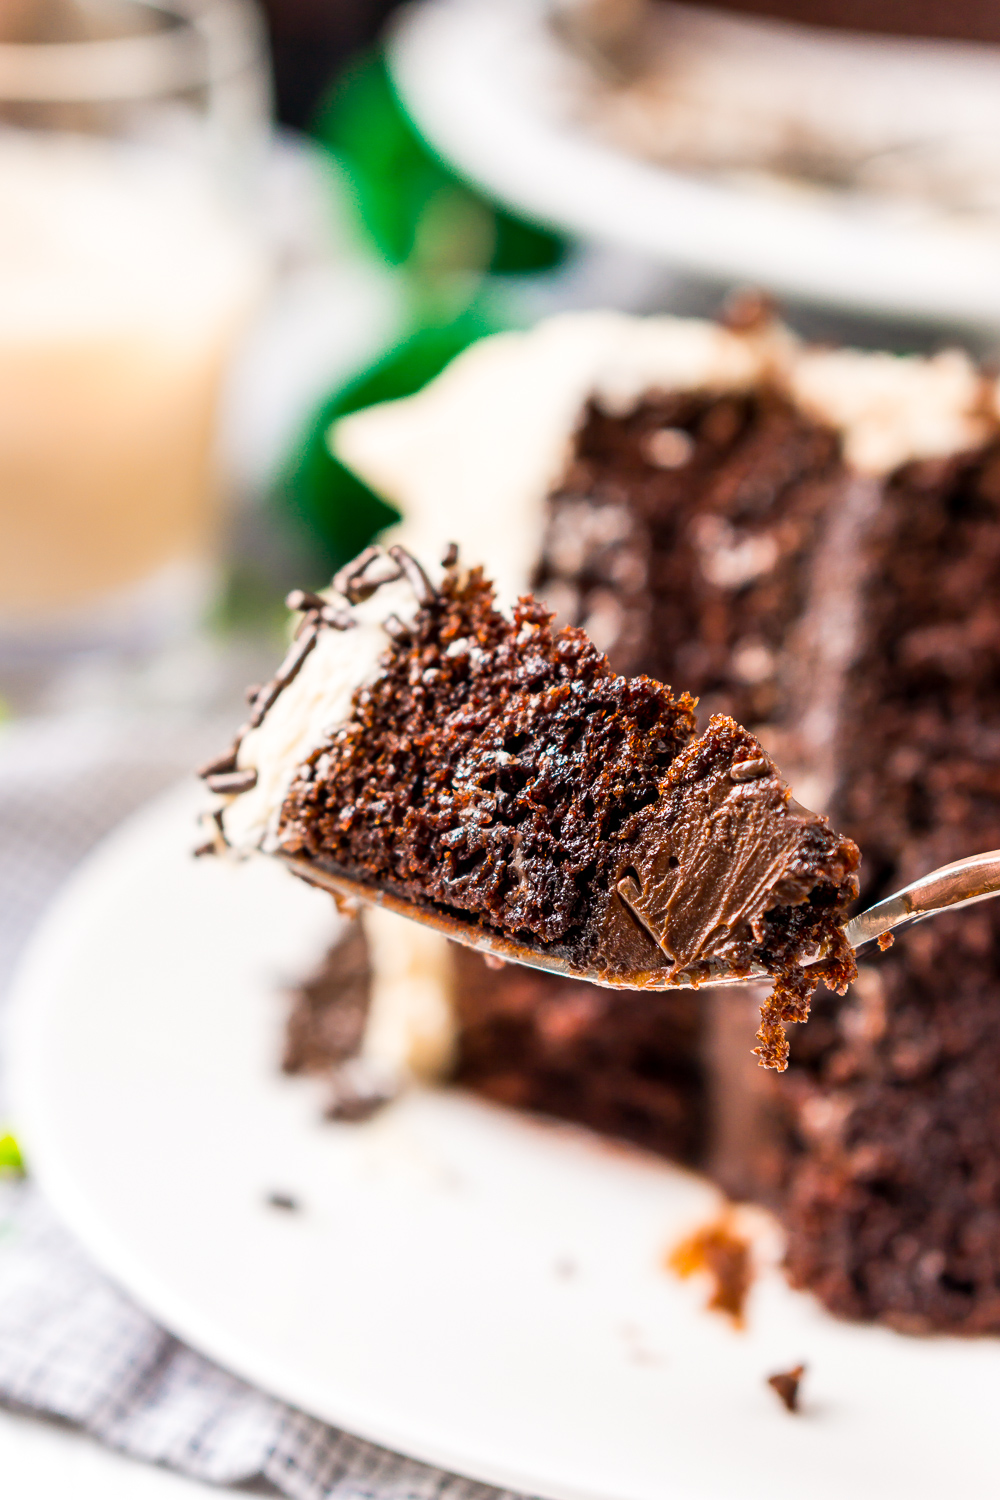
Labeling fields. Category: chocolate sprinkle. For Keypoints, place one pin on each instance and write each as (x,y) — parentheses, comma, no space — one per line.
(220,765)
(450,557)
(349,575)
(233,782)
(285,674)
(303,599)
(352,581)
(222,774)
(203,849)
(423,588)
(315,605)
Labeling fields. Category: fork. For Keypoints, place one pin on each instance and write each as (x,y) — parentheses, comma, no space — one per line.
(961,883)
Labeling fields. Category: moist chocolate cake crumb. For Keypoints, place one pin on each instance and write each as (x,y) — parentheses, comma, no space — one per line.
(787,1002)
(724,1255)
(787,1383)
(885,940)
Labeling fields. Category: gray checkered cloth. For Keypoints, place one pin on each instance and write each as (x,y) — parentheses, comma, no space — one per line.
(72,1344)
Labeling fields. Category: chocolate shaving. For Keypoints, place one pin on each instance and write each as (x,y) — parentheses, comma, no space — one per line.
(787,1383)
(285,674)
(303,599)
(218,766)
(450,557)
(315,604)
(209,847)
(261,697)
(263,701)
(423,588)
(233,782)
(349,575)
(353,581)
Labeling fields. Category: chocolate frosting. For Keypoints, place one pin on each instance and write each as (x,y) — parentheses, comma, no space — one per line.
(723,845)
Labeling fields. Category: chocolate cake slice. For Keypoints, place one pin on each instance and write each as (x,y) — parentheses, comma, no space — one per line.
(808,540)
(494,775)
(892,1125)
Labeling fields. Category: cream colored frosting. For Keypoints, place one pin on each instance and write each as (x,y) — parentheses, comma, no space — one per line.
(410,1030)
(892,408)
(472,457)
(317,699)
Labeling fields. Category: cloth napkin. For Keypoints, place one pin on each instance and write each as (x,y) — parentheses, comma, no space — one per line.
(73,1345)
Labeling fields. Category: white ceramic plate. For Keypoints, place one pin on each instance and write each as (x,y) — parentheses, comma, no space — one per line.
(481,78)
(461,1284)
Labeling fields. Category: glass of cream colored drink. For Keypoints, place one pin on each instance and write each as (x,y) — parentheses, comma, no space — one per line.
(127,269)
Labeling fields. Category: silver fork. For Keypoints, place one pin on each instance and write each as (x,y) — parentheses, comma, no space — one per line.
(961,883)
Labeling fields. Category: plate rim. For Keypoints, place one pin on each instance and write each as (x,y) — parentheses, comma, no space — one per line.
(445,76)
(34,998)
(30,1001)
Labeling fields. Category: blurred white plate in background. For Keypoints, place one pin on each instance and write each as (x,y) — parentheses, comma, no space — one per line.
(466,1286)
(482,82)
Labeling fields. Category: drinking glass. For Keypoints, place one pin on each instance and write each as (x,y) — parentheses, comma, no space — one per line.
(130,132)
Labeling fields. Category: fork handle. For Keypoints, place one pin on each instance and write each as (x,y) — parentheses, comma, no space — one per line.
(976,878)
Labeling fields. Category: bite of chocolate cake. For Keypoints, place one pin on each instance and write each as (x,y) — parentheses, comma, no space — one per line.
(493,776)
